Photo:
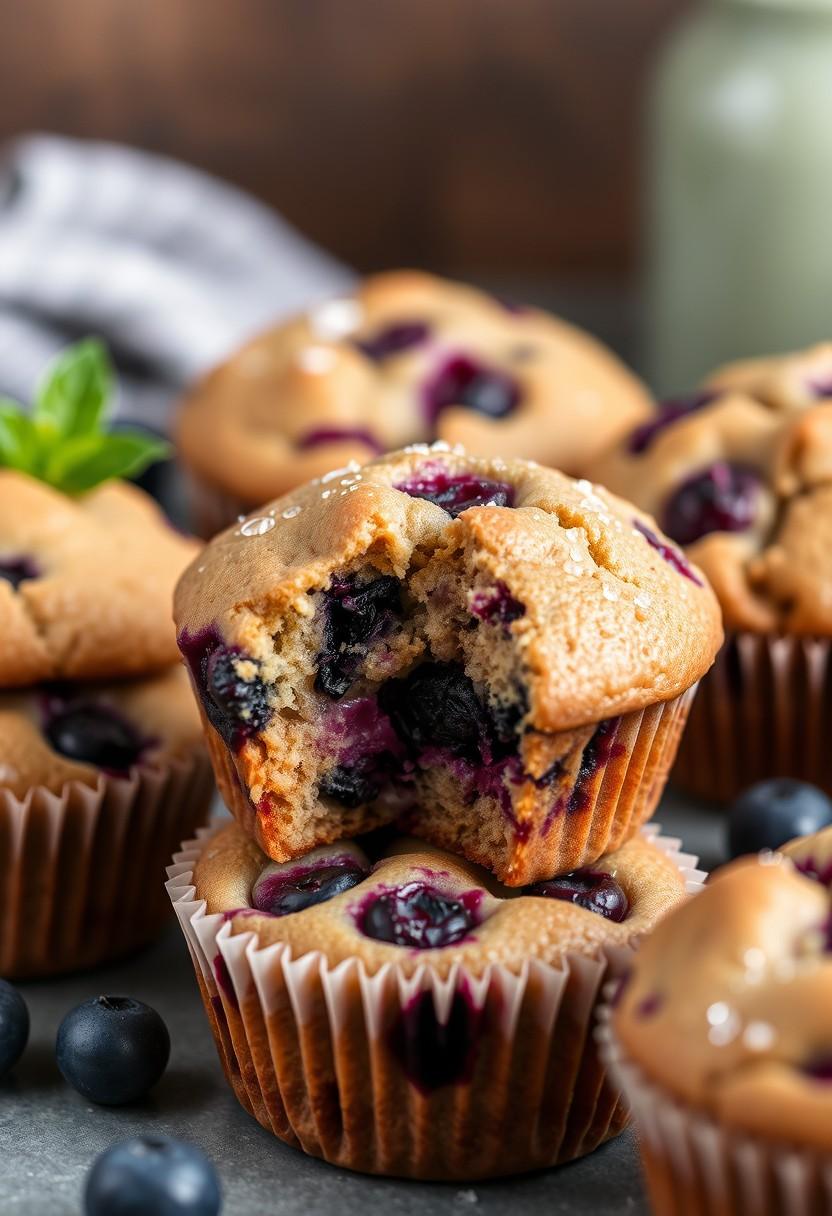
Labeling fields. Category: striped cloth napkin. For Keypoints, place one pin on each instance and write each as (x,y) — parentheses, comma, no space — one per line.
(169,266)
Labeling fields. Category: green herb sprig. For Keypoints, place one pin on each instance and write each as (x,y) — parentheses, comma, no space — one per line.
(63,440)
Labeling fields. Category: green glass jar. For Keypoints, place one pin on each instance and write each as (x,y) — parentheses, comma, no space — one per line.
(739,195)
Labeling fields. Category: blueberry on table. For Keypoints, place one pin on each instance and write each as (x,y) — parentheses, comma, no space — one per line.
(14,1026)
(152,1176)
(770,813)
(112,1049)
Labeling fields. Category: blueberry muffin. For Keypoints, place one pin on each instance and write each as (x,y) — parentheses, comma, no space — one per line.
(723,1041)
(489,653)
(96,780)
(85,582)
(53,734)
(409,358)
(395,1010)
(740,474)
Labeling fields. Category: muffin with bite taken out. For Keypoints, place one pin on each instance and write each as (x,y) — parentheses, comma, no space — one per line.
(495,657)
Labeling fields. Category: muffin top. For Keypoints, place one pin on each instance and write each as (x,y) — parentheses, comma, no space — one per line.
(608,616)
(64,732)
(740,473)
(728,1003)
(85,583)
(393,899)
(408,358)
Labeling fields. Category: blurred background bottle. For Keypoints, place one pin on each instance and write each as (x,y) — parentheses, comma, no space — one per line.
(739,189)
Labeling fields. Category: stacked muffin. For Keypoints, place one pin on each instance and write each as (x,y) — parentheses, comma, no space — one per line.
(101,761)
(740,473)
(407,358)
(442,695)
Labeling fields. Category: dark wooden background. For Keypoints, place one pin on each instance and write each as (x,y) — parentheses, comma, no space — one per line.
(478,136)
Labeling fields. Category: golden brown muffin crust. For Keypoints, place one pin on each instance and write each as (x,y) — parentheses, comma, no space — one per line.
(160,709)
(245,427)
(105,566)
(610,625)
(728,1003)
(513,928)
(772,418)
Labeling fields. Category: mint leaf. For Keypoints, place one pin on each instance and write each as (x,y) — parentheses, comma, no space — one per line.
(18,438)
(79,464)
(74,395)
(62,441)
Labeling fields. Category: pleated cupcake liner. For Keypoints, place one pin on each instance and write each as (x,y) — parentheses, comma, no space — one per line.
(82,871)
(410,1075)
(764,710)
(695,1166)
(601,812)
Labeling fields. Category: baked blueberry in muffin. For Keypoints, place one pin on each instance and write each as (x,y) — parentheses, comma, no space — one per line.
(487,652)
(85,582)
(408,358)
(392,898)
(740,474)
(391,975)
(56,733)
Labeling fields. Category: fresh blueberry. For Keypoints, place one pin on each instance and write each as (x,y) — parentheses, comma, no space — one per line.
(112,1049)
(14,1026)
(668,412)
(354,616)
(393,339)
(17,570)
(95,734)
(463,380)
(590,889)
(768,814)
(152,1176)
(279,894)
(721,498)
(436,705)
(419,916)
(457,493)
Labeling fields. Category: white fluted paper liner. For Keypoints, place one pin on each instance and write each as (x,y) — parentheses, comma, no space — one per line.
(763,710)
(696,1166)
(311,1049)
(81,872)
